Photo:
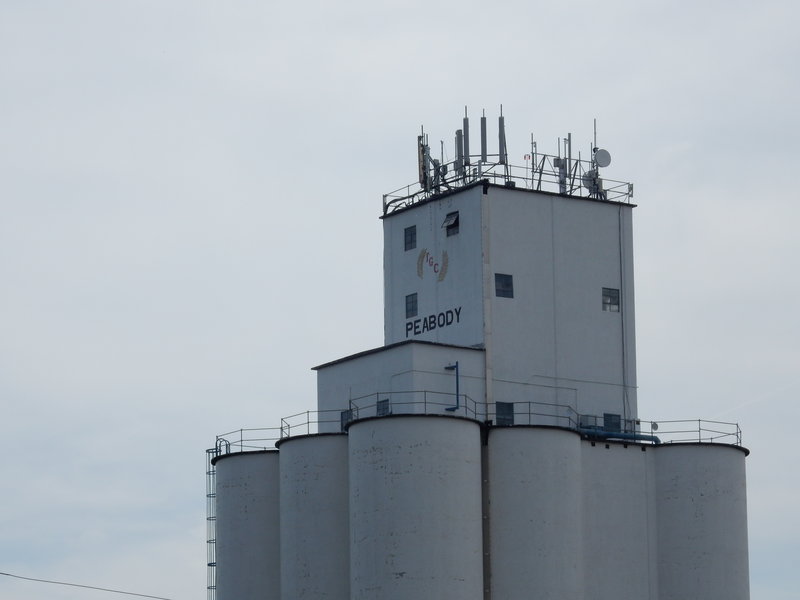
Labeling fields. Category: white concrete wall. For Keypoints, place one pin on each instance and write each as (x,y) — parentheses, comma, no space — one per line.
(415,509)
(552,341)
(442,271)
(248,529)
(535,490)
(702,522)
(401,373)
(315,524)
(618,521)
(561,253)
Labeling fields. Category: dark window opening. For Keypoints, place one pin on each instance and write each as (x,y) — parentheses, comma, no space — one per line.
(503,285)
(410,236)
(411,306)
(451,223)
(383,407)
(610,300)
(612,422)
(505,413)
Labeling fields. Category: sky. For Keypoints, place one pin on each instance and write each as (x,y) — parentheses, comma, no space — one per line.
(189,203)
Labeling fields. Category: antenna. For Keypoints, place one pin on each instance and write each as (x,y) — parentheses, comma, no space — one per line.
(600,157)
(502,135)
(483,137)
(569,159)
(423,156)
(567,173)
(466,138)
(459,152)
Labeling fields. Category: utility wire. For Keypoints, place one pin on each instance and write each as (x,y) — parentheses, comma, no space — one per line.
(90,587)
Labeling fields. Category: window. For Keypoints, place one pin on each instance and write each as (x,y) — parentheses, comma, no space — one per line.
(610,300)
(503,285)
(612,422)
(383,408)
(505,413)
(410,236)
(411,306)
(451,223)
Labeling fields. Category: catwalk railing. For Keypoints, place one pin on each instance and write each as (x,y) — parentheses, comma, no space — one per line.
(542,172)
(424,402)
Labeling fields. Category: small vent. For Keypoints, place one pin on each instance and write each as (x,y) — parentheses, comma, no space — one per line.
(450,224)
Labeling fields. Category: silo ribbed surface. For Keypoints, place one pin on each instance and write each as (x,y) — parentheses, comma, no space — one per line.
(702,522)
(534,476)
(415,509)
(315,533)
(247,526)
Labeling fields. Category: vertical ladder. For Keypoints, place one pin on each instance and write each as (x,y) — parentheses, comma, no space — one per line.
(211,523)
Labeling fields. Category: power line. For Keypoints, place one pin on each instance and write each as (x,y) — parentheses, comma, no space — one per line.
(90,587)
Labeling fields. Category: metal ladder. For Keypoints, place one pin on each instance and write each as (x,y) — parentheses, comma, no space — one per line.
(211,523)
(222,446)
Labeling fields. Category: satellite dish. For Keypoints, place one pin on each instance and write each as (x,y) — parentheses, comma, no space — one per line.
(654,426)
(602,158)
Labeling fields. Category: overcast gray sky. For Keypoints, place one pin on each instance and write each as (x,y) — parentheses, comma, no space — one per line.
(189,193)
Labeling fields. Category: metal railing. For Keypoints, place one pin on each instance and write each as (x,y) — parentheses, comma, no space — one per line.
(426,402)
(695,430)
(544,172)
(534,413)
(247,440)
(422,402)
(308,422)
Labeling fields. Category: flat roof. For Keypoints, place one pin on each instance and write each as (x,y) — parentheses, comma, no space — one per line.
(391,346)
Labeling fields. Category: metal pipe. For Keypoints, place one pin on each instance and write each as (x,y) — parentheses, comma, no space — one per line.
(458,404)
(619,435)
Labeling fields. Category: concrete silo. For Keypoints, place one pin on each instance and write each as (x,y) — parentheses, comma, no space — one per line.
(415,508)
(535,488)
(702,522)
(315,530)
(248,534)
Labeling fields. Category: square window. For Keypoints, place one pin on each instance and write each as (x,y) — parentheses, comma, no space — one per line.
(410,236)
(411,306)
(505,413)
(451,223)
(503,285)
(612,422)
(610,300)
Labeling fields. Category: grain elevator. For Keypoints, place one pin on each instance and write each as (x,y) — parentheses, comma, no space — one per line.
(492,448)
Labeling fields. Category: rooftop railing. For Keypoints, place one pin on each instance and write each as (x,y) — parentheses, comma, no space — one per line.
(542,172)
